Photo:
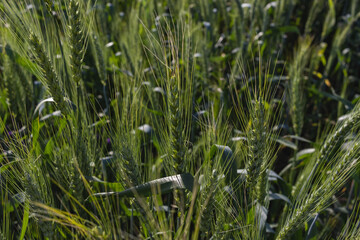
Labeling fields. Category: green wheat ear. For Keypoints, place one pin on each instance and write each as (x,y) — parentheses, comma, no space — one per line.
(99,58)
(16,83)
(176,142)
(256,142)
(331,145)
(126,162)
(208,198)
(256,113)
(47,69)
(261,151)
(297,81)
(10,87)
(36,189)
(76,40)
(318,197)
(130,167)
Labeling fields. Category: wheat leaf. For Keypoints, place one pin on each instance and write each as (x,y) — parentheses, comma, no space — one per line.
(162,185)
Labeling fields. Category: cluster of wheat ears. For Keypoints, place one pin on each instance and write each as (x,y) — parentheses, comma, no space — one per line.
(178,120)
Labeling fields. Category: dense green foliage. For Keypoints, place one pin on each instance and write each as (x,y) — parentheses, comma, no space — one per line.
(222,119)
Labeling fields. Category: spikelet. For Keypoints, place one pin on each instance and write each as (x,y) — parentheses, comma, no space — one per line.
(47,69)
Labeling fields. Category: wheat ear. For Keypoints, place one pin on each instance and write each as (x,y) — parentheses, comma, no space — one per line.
(208,195)
(76,41)
(128,166)
(297,84)
(47,69)
(331,145)
(256,143)
(100,63)
(315,202)
(33,188)
(177,151)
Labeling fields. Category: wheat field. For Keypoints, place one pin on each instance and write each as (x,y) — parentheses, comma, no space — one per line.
(168,119)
